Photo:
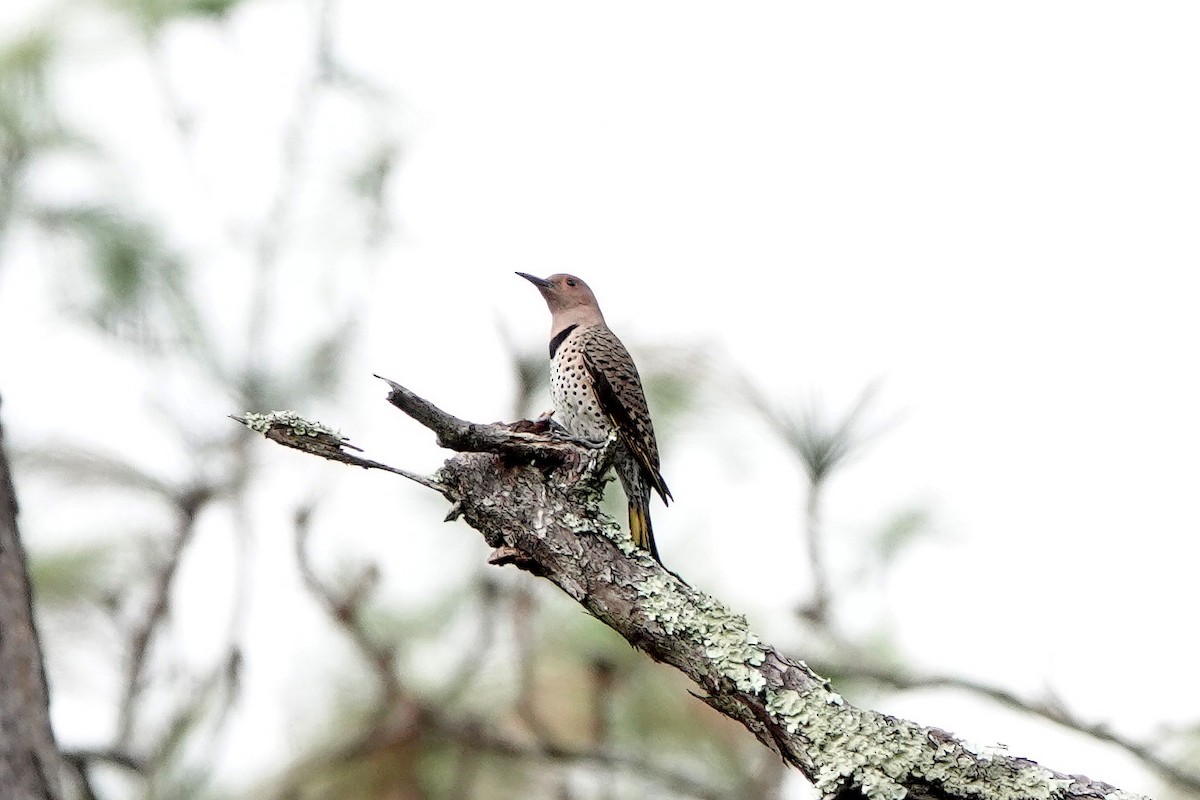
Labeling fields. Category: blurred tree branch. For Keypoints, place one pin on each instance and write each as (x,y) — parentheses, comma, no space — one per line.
(535,499)
(125,277)
(398,714)
(822,447)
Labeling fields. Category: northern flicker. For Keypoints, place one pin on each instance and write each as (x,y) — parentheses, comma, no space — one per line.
(595,388)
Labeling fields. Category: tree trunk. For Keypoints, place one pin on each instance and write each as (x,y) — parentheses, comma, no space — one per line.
(29,759)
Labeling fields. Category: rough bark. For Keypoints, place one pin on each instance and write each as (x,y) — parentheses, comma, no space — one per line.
(29,759)
(534,497)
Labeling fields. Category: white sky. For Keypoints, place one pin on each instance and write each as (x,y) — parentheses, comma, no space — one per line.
(992,207)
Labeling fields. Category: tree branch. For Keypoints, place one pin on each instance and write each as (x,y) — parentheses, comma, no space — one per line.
(536,499)
(189,505)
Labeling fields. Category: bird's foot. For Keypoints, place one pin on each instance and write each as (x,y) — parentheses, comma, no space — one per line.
(559,432)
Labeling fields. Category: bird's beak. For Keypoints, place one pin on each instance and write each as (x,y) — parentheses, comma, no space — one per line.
(541,283)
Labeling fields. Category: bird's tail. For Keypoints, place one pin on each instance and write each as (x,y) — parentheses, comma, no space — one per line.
(639,523)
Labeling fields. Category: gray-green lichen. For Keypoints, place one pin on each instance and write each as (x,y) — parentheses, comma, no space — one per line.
(878,752)
(731,647)
(596,523)
(298,425)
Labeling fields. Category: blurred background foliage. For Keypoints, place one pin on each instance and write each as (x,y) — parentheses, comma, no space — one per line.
(494,687)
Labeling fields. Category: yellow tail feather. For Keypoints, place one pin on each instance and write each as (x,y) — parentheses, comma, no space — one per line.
(641,530)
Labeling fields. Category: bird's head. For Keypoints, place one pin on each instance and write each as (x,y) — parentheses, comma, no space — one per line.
(570,299)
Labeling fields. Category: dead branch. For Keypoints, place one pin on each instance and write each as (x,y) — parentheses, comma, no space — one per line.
(535,498)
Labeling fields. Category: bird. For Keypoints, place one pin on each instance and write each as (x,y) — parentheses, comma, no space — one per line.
(596,388)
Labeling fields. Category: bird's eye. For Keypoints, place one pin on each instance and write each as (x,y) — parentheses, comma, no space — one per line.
(570,281)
